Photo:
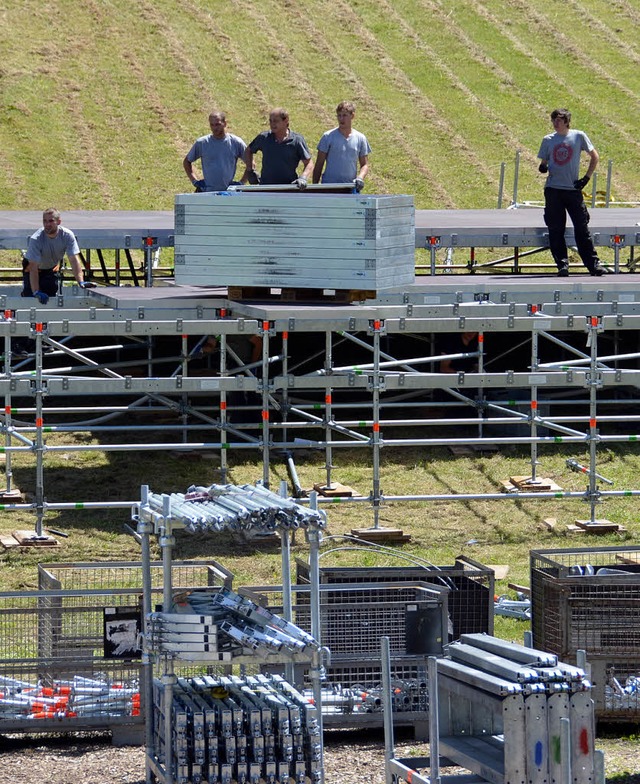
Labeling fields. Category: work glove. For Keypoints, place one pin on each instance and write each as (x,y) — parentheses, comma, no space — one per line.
(300,183)
(543,168)
(582,182)
(87,284)
(200,186)
(252,177)
(358,184)
(41,297)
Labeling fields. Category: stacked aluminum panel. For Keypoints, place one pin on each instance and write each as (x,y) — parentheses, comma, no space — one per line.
(294,240)
(245,730)
(501,707)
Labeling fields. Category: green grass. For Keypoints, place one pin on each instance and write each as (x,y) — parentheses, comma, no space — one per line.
(445,91)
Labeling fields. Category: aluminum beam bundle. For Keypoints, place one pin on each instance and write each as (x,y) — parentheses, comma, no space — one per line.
(217,625)
(234,508)
(245,730)
(501,712)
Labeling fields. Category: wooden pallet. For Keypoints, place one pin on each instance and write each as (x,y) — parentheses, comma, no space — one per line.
(262,293)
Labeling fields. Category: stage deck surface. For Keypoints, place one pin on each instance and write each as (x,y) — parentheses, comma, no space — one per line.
(523,227)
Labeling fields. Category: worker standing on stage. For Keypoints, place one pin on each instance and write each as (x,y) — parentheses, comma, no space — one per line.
(45,252)
(282,151)
(218,153)
(559,154)
(343,149)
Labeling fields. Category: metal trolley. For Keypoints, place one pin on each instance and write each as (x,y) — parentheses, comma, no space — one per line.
(219,728)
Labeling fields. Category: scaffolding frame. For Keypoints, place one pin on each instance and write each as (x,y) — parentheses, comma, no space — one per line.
(291,397)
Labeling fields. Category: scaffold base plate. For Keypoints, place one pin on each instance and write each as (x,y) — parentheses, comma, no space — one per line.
(395,535)
(10,495)
(31,539)
(599,526)
(523,484)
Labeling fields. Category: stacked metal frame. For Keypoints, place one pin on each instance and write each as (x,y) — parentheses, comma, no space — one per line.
(506,713)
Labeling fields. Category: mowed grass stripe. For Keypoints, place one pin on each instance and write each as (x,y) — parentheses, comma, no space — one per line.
(396,160)
(566,65)
(546,76)
(44,138)
(464,88)
(226,80)
(613,25)
(412,122)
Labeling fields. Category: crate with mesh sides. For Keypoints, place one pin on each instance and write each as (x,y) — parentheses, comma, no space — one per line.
(353,617)
(589,599)
(470,587)
(616,688)
(69,661)
(101,575)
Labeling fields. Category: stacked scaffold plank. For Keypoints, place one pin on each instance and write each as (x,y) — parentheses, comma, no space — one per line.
(509,713)
(294,240)
(242,729)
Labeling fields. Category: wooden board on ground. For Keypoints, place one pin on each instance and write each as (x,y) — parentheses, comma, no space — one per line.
(31,539)
(387,535)
(500,571)
(523,484)
(335,490)
(628,558)
(599,526)
(523,589)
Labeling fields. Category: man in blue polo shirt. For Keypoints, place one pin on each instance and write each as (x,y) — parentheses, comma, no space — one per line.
(282,151)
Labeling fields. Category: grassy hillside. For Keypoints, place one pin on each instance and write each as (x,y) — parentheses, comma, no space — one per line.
(100,100)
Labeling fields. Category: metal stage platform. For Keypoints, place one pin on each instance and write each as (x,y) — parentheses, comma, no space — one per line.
(524,227)
(307,382)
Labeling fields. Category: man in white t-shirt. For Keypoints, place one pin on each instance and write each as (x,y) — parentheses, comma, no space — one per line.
(342,150)
(218,153)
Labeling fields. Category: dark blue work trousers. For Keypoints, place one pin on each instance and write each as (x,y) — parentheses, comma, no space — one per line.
(558,204)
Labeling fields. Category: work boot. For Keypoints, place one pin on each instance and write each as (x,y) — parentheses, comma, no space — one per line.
(597,270)
(563,268)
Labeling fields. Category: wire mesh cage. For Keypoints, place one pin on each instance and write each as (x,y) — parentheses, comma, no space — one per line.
(70,653)
(470,584)
(57,667)
(128,574)
(589,599)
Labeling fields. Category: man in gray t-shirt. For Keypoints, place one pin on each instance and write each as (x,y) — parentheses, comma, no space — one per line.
(218,153)
(342,150)
(560,158)
(46,249)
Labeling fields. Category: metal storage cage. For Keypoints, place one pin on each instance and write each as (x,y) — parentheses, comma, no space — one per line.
(128,574)
(56,673)
(353,619)
(58,667)
(470,584)
(589,599)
